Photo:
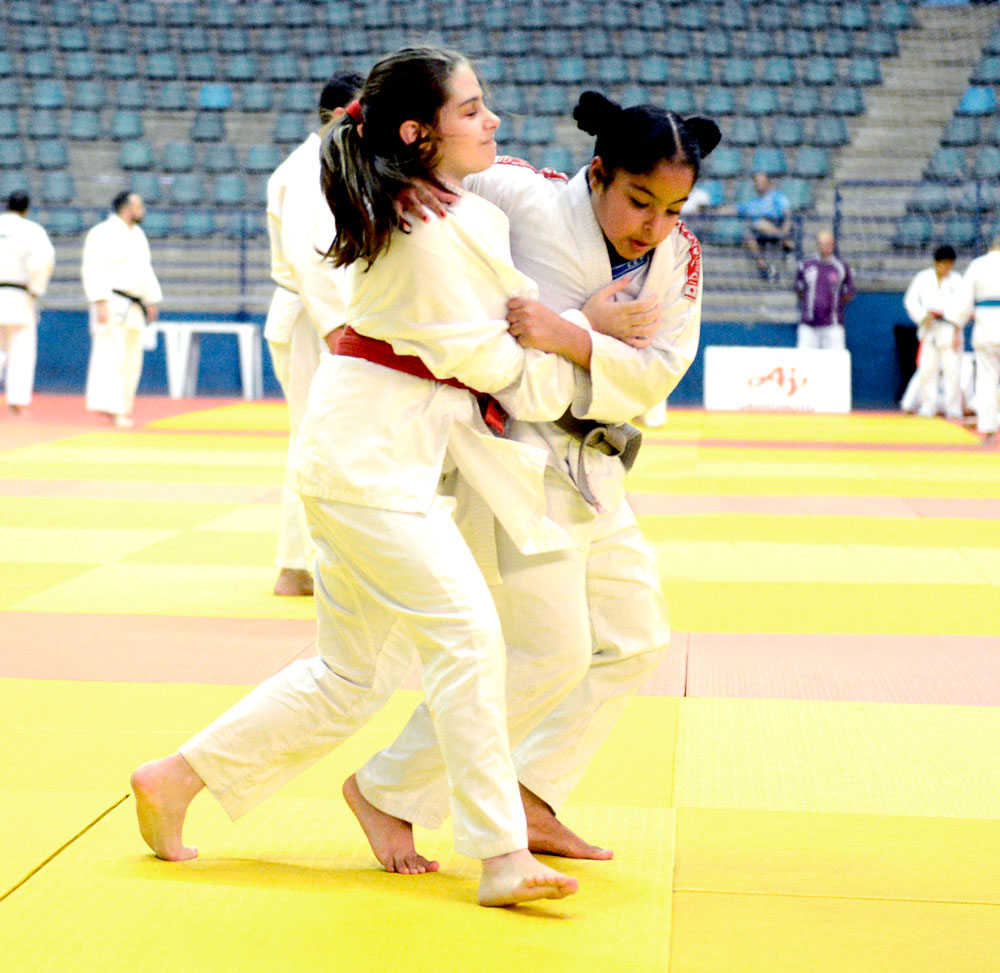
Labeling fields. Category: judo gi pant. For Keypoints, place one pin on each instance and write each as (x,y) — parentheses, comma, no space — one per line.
(828,336)
(18,351)
(584,629)
(939,354)
(385,581)
(114,369)
(987,382)
(295,364)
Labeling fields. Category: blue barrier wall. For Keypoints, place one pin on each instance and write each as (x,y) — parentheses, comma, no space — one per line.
(63,347)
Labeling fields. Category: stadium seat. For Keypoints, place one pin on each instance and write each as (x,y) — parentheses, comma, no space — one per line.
(13,155)
(219,157)
(88,95)
(46,94)
(733,16)
(289,128)
(737,71)
(977,100)
(614,16)
(694,70)
(718,102)
(178,157)
(474,42)
(724,231)
(654,70)
(568,70)
(946,164)
(170,96)
(787,131)
(962,130)
(187,189)
(798,43)
(680,100)
(769,159)
(761,101)
(799,194)
(508,99)
(255,96)
(222,15)
(136,155)
(836,43)
(987,71)
(10,93)
(147,185)
(84,125)
(215,96)
(230,189)
(993,134)
(829,130)
(537,130)
(770,17)
(929,197)
(139,13)
(51,154)
(724,163)
(113,38)
(240,67)
(39,64)
(716,43)
(819,70)
(119,66)
(79,65)
(57,188)
(913,232)
(10,126)
(207,127)
(634,43)
(64,223)
(633,94)
(237,41)
(895,15)
(44,124)
(758,44)
(156,224)
(262,158)
(854,16)
(986,164)
(301,15)
(961,231)
(64,13)
(274,39)
(846,101)
(353,42)
(162,66)
(811,162)
(125,125)
(552,99)
(612,70)
(595,43)
(6,64)
(201,66)
(298,97)
(319,67)
(803,102)
(743,130)
(878,43)
(102,13)
(183,13)
(197,224)
(35,37)
(693,16)
(862,70)
(311,43)
(813,16)
(490,70)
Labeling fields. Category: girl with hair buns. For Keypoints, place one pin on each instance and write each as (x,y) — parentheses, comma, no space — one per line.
(396,407)
(584,626)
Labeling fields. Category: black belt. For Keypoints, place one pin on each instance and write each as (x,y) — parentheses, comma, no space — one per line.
(10,283)
(133,299)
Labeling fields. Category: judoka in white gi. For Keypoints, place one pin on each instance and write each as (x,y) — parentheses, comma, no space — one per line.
(124,296)
(392,569)
(585,626)
(307,305)
(930,294)
(27,259)
(980,301)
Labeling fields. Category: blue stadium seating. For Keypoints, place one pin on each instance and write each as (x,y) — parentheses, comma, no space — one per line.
(962,131)
(9,123)
(262,158)
(125,125)
(88,95)
(45,124)
(51,154)
(977,100)
(136,155)
(57,188)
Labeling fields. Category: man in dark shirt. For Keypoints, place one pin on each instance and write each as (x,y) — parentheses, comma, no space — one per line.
(824,285)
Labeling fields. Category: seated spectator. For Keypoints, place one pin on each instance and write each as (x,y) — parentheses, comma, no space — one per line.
(769,216)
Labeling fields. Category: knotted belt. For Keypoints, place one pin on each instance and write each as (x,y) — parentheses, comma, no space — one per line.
(354,345)
(622,440)
(133,299)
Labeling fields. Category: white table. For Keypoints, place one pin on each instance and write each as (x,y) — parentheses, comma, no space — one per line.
(182,341)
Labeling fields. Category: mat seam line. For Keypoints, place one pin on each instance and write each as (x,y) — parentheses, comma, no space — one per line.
(838,898)
(63,848)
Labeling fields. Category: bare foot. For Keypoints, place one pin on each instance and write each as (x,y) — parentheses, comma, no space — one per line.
(294,582)
(547,835)
(519,877)
(13,409)
(163,790)
(391,838)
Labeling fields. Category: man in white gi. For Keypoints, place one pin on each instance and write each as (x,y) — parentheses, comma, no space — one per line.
(308,304)
(932,292)
(26,262)
(124,295)
(980,300)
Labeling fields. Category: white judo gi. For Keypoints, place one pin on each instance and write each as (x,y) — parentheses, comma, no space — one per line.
(980,300)
(308,304)
(940,341)
(392,568)
(27,259)
(116,258)
(584,626)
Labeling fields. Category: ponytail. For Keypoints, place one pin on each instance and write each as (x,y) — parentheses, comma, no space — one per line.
(365,164)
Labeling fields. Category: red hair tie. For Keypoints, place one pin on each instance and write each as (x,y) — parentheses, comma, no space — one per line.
(354,110)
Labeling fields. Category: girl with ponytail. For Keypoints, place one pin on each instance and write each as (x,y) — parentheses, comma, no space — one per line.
(418,373)
(584,627)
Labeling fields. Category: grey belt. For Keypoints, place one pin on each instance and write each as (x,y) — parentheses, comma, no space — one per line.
(622,440)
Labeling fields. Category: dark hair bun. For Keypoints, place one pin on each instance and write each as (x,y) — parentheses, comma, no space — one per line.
(705,133)
(594,113)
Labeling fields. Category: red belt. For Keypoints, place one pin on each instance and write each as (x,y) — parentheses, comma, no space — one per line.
(355,345)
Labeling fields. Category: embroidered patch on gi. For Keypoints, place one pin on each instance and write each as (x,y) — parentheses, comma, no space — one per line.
(690,290)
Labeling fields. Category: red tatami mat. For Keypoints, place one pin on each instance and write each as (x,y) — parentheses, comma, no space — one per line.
(952,669)
(150,648)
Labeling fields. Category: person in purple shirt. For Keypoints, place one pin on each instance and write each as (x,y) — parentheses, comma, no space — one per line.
(824,285)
